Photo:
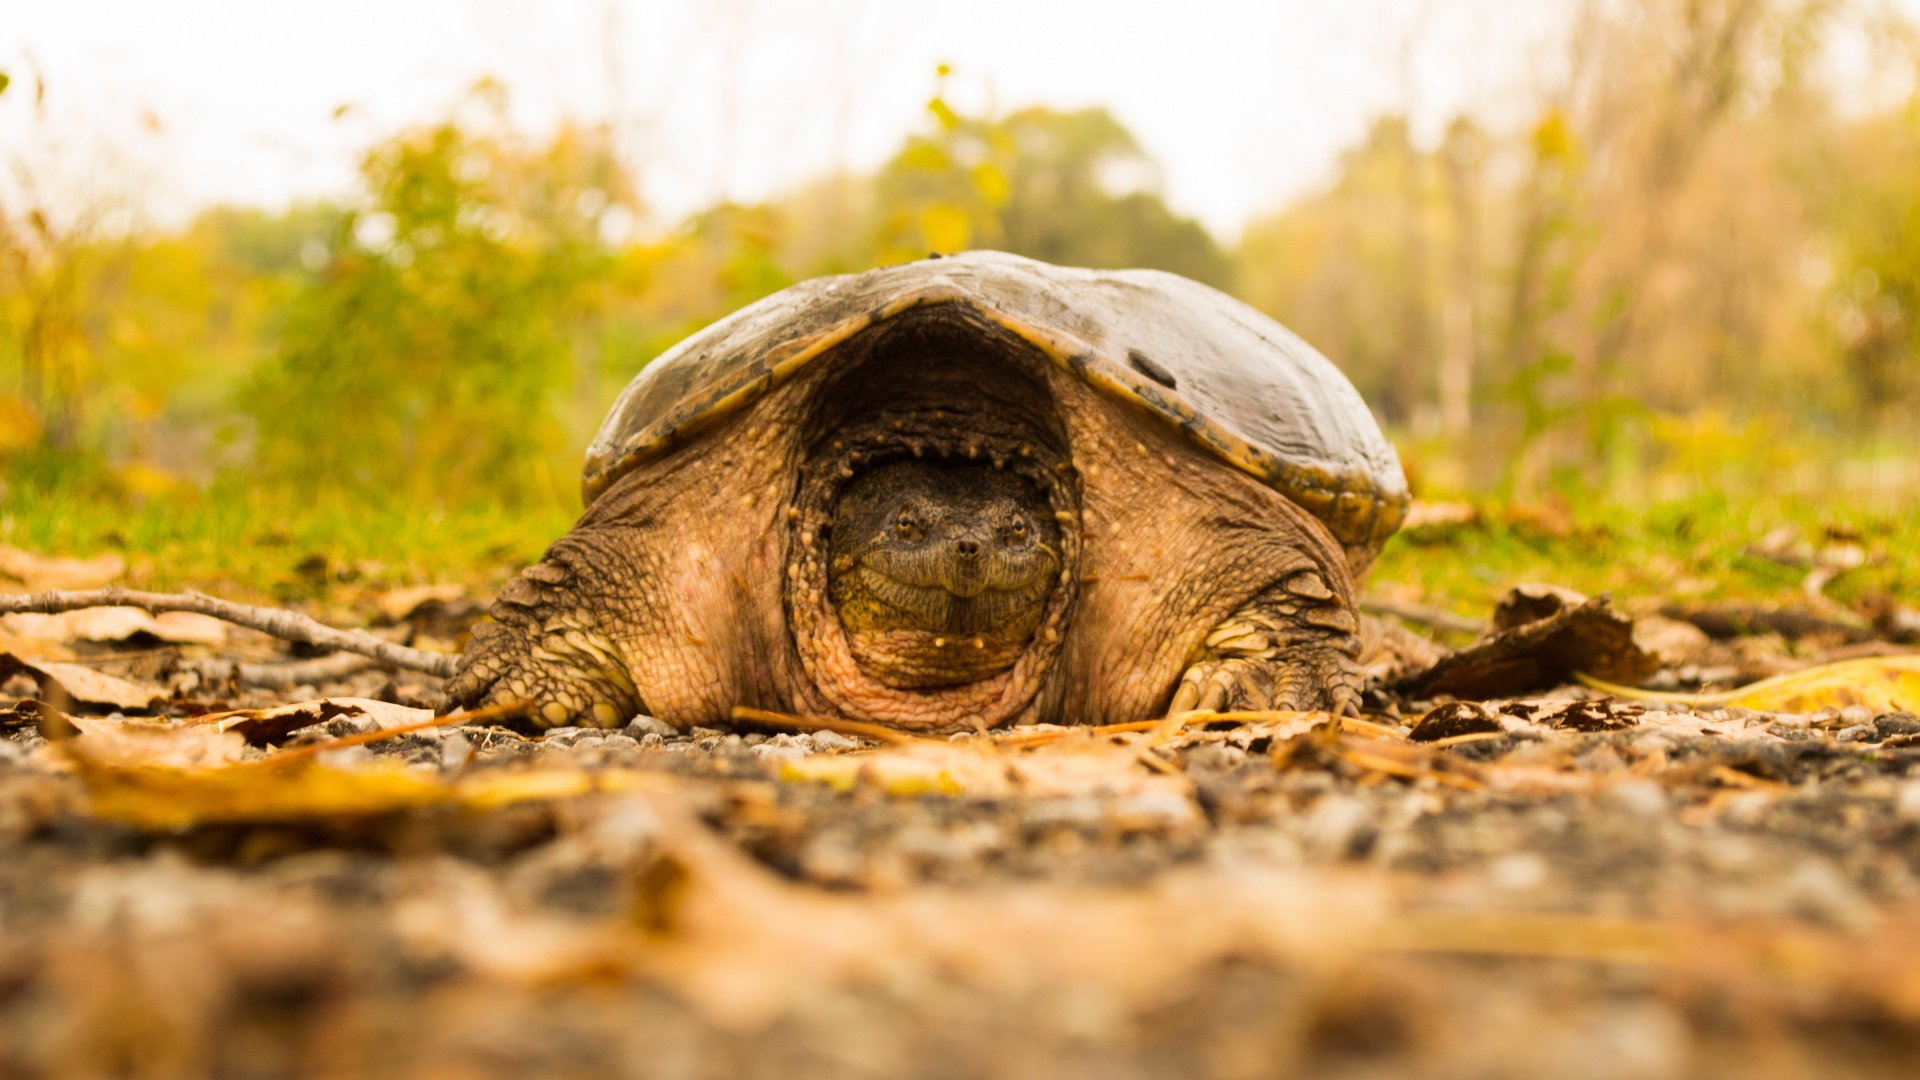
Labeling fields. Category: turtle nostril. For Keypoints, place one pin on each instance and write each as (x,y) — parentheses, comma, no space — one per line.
(967,547)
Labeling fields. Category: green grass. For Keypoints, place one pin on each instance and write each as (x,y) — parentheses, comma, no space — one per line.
(281,545)
(1699,550)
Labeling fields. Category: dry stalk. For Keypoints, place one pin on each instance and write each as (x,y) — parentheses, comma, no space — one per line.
(279,622)
(836,725)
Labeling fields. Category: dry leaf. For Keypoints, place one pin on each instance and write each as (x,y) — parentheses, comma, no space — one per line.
(1077,768)
(77,685)
(36,572)
(152,744)
(157,795)
(261,726)
(400,603)
(111,624)
(1423,515)
(32,646)
(1546,634)
(1884,684)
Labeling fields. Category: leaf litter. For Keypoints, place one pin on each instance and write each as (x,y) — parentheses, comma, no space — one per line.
(1516,880)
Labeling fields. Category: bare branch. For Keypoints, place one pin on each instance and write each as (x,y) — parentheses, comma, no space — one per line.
(281,623)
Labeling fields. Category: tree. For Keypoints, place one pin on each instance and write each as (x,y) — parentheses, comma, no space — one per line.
(431,356)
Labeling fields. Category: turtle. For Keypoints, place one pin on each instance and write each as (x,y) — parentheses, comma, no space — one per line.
(954,494)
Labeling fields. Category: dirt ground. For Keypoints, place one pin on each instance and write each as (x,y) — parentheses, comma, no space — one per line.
(1548,884)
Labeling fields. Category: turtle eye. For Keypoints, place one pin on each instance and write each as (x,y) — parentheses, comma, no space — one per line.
(1017,530)
(906,527)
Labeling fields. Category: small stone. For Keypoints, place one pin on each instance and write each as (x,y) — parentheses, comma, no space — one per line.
(1336,827)
(777,752)
(642,724)
(455,749)
(1643,799)
(1856,715)
(1522,871)
(828,742)
(1906,804)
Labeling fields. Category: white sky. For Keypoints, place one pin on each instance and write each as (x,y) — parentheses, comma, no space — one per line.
(1243,103)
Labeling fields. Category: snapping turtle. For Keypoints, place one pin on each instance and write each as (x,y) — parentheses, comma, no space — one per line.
(959,493)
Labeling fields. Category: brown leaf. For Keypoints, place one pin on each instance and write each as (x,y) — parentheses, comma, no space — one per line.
(113,624)
(1546,635)
(262,726)
(1884,684)
(76,684)
(139,743)
(33,646)
(36,572)
(399,604)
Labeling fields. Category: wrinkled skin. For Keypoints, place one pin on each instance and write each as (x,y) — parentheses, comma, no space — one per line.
(940,573)
(747,568)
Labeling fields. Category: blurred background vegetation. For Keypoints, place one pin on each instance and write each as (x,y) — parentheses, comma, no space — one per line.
(1692,268)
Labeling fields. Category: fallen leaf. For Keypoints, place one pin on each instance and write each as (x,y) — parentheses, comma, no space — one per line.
(1669,641)
(1545,634)
(36,572)
(1073,767)
(77,684)
(1884,684)
(33,647)
(159,792)
(1424,515)
(141,743)
(398,604)
(112,624)
(261,726)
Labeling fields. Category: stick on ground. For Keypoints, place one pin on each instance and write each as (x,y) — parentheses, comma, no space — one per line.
(281,623)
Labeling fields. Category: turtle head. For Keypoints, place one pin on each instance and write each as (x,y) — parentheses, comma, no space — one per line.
(940,572)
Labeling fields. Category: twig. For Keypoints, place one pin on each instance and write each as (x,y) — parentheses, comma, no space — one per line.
(282,675)
(302,753)
(769,718)
(1426,616)
(279,622)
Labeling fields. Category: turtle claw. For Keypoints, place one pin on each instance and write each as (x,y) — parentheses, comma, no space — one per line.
(1235,684)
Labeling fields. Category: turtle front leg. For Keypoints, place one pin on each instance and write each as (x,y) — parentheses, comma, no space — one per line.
(1295,646)
(547,646)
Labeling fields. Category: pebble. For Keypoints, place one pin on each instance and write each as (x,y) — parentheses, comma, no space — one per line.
(1643,799)
(1522,871)
(768,751)
(827,742)
(1816,889)
(455,749)
(1855,715)
(1334,825)
(642,724)
(1906,805)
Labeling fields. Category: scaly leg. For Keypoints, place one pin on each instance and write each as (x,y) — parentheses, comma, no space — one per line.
(1295,646)
(545,646)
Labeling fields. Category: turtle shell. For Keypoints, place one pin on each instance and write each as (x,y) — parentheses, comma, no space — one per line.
(1233,380)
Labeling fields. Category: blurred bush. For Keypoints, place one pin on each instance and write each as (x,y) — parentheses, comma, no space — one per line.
(1691,266)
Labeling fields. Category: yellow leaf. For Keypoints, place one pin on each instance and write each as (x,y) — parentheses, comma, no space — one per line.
(944,114)
(1553,137)
(945,228)
(991,183)
(1881,683)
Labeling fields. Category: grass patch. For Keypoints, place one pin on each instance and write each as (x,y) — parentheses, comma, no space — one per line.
(283,544)
(1707,549)
(286,545)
